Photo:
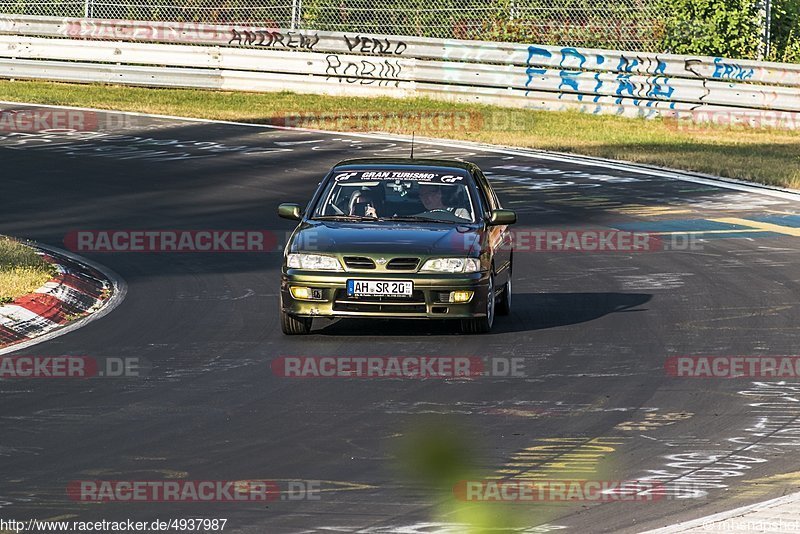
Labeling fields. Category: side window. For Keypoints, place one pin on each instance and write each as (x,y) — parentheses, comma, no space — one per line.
(486,191)
(496,201)
(484,201)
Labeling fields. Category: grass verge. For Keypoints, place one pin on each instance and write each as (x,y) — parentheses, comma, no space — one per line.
(763,155)
(22,271)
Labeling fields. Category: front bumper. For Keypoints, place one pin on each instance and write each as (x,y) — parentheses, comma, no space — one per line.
(426,302)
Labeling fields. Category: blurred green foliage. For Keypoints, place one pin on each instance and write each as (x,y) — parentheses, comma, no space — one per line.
(732,28)
(785,30)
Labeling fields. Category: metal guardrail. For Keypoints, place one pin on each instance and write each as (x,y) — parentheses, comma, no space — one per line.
(507,74)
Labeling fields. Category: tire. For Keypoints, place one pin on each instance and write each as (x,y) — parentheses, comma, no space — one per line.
(482,325)
(504,306)
(295,326)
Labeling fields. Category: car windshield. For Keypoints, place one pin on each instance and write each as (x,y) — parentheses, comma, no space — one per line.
(437,195)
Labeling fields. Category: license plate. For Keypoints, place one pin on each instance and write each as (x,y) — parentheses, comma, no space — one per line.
(379,288)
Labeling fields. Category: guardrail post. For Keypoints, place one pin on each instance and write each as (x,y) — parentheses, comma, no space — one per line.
(296,6)
(765,15)
(768,31)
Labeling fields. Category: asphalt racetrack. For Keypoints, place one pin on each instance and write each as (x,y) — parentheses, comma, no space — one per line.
(593,329)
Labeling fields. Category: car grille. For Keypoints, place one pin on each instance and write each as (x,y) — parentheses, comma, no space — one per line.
(402,264)
(358,262)
(413,304)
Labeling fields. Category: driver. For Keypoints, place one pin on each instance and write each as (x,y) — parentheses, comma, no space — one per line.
(362,204)
(431,197)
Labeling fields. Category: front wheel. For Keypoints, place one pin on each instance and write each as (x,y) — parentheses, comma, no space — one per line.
(482,325)
(504,306)
(294,326)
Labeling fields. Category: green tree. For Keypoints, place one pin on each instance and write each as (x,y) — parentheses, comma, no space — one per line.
(785,30)
(727,28)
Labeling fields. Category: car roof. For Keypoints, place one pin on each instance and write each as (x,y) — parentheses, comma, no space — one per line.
(408,162)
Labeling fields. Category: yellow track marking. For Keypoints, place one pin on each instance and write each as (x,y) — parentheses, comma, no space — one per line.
(754,312)
(683,232)
(762,226)
(649,211)
(336,485)
(764,485)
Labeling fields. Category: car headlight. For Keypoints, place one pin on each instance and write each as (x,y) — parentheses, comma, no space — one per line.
(452,265)
(313,262)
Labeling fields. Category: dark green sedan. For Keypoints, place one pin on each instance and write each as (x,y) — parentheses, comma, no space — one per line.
(402,239)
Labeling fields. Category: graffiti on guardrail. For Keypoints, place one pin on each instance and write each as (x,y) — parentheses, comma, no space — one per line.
(718,70)
(593,74)
(373,45)
(512,74)
(589,59)
(730,71)
(363,72)
(273,38)
(594,84)
(639,64)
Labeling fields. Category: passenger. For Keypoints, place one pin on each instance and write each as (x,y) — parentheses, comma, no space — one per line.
(362,204)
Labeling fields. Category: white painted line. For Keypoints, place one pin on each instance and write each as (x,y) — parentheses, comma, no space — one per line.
(705,522)
(685,176)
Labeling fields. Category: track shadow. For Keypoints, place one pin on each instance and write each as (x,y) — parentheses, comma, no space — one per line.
(532,311)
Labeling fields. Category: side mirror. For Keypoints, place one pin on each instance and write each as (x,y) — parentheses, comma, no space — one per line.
(292,212)
(501,217)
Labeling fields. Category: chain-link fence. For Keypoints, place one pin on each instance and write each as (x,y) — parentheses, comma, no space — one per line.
(201,11)
(683,26)
(624,24)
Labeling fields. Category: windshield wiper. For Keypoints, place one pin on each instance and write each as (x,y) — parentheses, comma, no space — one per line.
(345,218)
(417,218)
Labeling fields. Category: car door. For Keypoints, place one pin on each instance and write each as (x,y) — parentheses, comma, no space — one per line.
(500,239)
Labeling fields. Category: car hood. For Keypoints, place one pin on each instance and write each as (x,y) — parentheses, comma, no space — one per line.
(395,239)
